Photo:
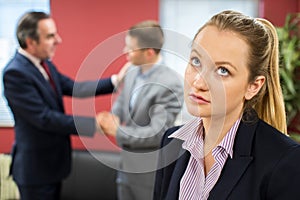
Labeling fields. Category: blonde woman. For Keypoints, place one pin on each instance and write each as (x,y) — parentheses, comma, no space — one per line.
(236,147)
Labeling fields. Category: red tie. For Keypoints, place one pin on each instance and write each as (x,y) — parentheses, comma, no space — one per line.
(46,68)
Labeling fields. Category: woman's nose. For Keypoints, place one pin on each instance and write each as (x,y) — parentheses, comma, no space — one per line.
(200,82)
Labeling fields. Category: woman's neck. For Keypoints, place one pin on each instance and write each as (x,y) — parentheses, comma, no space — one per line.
(215,129)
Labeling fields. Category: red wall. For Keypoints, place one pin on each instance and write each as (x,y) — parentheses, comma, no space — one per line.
(83,25)
(276,10)
(6,139)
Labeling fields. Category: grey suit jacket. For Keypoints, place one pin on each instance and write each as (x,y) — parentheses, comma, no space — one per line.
(155,110)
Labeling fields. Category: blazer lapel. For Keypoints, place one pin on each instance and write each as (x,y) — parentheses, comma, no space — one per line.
(139,96)
(44,85)
(48,91)
(179,169)
(58,93)
(234,168)
(42,82)
(130,79)
(144,91)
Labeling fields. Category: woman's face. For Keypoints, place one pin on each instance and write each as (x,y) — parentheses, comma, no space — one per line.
(216,78)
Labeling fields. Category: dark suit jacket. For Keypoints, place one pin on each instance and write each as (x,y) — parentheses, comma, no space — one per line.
(265,165)
(42,151)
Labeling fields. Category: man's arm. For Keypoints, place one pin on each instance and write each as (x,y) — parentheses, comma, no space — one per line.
(28,102)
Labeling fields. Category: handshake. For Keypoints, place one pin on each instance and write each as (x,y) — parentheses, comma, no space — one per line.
(107,123)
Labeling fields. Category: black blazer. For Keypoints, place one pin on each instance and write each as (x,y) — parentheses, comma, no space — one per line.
(265,165)
(42,150)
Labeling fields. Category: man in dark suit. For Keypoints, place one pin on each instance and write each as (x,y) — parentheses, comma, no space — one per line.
(34,89)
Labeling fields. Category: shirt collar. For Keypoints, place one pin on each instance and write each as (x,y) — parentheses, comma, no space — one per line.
(193,127)
(228,141)
(151,70)
(36,61)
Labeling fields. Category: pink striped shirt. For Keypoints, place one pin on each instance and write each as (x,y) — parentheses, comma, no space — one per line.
(194,185)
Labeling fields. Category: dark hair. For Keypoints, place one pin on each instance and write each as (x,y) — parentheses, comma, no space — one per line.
(149,35)
(28,25)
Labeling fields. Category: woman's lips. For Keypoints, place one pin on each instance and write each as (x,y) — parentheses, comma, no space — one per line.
(198,99)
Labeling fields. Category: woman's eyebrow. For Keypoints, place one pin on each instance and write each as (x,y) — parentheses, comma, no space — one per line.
(226,63)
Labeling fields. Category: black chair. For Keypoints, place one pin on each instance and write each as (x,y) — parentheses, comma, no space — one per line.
(90,179)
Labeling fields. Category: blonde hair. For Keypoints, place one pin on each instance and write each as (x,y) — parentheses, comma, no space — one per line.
(263,59)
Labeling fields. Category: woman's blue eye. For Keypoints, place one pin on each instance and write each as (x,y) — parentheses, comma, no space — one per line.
(195,62)
(223,71)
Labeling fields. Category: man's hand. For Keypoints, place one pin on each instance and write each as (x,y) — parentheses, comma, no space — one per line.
(122,72)
(108,122)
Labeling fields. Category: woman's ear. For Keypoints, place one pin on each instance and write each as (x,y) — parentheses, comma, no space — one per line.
(254,87)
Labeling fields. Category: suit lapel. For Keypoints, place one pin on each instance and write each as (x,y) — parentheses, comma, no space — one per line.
(139,96)
(234,168)
(130,78)
(44,85)
(48,91)
(129,81)
(179,169)
(58,93)
(144,91)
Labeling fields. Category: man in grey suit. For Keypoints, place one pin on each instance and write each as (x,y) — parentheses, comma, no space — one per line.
(151,99)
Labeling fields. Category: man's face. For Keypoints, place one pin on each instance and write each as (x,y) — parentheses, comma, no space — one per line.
(134,53)
(48,40)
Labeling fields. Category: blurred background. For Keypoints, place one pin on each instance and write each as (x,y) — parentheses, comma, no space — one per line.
(86,26)
(83,25)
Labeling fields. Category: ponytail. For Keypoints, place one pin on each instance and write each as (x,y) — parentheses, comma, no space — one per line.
(271,107)
(263,60)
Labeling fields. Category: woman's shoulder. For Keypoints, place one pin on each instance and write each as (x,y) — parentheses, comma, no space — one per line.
(266,128)
(273,137)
